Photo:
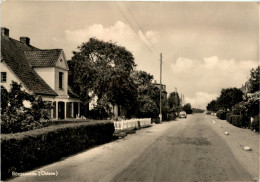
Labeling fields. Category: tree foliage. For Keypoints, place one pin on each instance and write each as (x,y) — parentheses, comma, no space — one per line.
(174,102)
(187,108)
(147,98)
(103,69)
(254,79)
(212,106)
(15,117)
(229,97)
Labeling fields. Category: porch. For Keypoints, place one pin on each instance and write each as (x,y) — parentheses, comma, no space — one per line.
(64,109)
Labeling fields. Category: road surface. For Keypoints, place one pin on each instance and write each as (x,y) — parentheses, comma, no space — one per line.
(192,149)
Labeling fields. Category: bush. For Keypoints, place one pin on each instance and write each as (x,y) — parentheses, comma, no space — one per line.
(24,151)
(228,117)
(156,120)
(218,113)
(221,114)
(15,117)
(236,120)
(171,116)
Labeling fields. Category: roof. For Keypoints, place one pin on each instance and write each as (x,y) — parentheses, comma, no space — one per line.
(43,58)
(13,54)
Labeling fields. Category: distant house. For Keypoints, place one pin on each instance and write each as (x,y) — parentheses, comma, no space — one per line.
(164,92)
(43,72)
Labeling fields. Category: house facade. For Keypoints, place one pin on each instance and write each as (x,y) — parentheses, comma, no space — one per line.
(43,72)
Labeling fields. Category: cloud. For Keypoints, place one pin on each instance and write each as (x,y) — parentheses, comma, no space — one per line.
(119,32)
(203,79)
(200,100)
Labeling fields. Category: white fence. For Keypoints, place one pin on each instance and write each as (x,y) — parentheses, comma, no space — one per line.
(132,123)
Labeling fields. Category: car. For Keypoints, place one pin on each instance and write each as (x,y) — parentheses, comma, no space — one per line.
(183,114)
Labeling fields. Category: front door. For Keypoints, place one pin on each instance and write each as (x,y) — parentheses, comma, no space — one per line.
(61,110)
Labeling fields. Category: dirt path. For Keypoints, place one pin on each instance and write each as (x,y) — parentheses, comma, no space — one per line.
(191,149)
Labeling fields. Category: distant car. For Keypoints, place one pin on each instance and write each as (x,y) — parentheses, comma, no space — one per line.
(183,114)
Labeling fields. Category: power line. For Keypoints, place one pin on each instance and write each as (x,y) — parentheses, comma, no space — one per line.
(136,31)
(141,29)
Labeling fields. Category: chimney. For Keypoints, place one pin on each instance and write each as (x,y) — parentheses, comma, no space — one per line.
(25,40)
(5,31)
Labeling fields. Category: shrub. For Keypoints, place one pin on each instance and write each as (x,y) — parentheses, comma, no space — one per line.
(156,120)
(171,116)
(236,120)
(15,117)
(218,113)
(221,114)
(26,150)
(228,117)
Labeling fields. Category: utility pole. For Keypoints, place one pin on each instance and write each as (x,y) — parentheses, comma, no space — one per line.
(160,88)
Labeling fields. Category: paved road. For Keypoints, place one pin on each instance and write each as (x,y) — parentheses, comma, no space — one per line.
(192,149)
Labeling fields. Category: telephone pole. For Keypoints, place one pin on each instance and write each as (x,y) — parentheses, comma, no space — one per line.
(160,88)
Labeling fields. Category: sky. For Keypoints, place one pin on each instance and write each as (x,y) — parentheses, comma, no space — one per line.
(205,46)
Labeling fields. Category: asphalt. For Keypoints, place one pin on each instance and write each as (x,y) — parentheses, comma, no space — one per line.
(192,149)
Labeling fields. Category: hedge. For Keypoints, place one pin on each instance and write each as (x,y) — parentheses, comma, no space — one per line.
(27,150)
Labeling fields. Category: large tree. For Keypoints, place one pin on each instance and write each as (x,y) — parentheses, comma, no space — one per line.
(103,69)
(229,97)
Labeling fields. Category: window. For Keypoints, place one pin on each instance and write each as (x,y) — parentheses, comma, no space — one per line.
(60,80)
(3,77)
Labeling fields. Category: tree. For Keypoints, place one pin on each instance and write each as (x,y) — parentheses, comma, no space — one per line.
(187,108)
(212,106)
(229,97)
(254,79)
(174,102)
(146,99)
(103,69)
(15,117)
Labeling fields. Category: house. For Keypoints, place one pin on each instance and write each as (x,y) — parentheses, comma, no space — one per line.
(164,92)
(43,72)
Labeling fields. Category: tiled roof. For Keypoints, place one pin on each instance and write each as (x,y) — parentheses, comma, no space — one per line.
(12,53)
(43,58)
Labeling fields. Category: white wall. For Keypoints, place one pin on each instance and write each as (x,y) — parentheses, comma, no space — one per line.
(10,76)
(48,75)
(64,90)
(51,76)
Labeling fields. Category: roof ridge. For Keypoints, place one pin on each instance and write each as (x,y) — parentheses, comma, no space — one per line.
(45,50)
(17,41)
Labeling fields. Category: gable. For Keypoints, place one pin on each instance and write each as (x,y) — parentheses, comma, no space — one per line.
(62,62)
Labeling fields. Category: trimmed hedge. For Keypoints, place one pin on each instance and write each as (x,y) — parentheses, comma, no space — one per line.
(26,150)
